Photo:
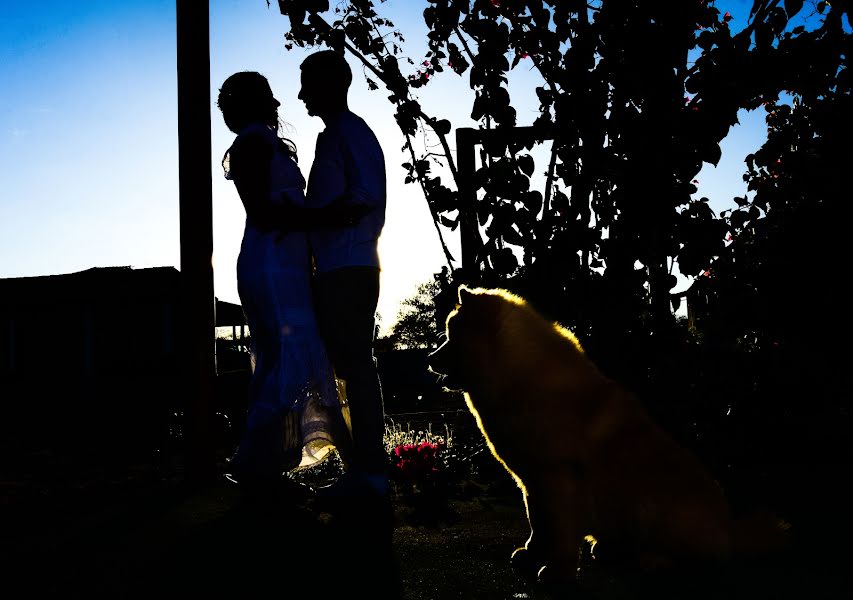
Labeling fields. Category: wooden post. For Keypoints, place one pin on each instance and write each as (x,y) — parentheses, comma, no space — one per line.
(466,139)
(197,322)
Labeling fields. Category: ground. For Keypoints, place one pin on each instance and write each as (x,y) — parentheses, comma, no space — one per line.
(144,531)
(141,534)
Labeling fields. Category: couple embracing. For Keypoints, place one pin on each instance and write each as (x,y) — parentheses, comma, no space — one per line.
(308,280)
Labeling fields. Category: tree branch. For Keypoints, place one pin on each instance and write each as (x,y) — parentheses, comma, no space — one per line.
(431,121)
(447,255)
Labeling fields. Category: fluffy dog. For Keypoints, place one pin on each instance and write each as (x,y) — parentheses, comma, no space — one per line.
(589,460)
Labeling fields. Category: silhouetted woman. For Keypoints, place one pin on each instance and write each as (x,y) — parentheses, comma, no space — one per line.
(294,415)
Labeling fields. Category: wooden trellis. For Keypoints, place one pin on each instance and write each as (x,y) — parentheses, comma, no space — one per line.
(466,141)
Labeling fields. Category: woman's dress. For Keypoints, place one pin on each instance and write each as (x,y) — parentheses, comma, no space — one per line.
(294,411)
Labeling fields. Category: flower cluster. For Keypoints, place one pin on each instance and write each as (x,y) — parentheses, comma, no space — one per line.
(417,462)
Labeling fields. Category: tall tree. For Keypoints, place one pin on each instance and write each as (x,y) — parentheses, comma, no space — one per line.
(417,324)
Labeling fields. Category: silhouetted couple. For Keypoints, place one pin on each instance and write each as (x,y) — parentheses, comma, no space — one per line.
(308,279)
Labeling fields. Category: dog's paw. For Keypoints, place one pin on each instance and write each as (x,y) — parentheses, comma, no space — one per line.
(526,562)
(560,585)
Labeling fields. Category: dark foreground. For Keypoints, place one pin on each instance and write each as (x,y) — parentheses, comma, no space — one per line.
(140,533)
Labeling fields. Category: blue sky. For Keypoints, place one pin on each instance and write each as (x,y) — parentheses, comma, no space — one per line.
(88,136)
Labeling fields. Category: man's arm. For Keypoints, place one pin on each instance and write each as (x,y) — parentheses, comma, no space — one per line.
(364,168)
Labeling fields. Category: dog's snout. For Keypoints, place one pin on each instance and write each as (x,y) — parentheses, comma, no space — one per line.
(437,359)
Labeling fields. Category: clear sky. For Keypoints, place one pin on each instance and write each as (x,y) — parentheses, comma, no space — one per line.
(88,136)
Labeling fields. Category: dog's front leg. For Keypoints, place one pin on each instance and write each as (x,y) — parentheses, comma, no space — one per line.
(530,558)
(558,509)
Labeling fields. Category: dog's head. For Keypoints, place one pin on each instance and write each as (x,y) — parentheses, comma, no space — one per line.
(470,330)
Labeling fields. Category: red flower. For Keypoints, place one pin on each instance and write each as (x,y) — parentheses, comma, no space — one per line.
(727,17)
(417,461)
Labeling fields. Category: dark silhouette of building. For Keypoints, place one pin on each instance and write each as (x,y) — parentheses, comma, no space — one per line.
(96,351)
(94,357)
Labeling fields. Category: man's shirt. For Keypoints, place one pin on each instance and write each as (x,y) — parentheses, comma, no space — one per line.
(348,161)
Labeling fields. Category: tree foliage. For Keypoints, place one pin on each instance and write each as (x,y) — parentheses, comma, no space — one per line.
(632,120)
(417,325)
(635,97)
(779,288)
(787,236)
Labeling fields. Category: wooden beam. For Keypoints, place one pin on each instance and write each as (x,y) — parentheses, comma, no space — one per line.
(197,322)
(466,139)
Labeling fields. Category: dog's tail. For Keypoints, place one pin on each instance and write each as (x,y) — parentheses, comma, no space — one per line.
(760,535)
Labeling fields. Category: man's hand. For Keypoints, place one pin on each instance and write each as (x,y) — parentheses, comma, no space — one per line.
(348,215)
(343,213)
(336,215)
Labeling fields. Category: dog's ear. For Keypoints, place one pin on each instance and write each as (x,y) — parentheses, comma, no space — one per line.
(464,293)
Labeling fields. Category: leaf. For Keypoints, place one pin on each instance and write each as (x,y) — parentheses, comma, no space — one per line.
(711,153)
(705,40)
(764,35)
(526,164)
(448,222)
(511,236)
(483,215)
(504,261)
(737,220)
(792,7)
(533,201)
(671,281)
(755,6)
(442,126)
(479,108)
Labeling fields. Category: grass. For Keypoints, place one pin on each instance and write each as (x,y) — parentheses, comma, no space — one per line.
(397,435)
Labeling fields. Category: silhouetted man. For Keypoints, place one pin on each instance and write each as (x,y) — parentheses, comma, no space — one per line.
(349,163)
